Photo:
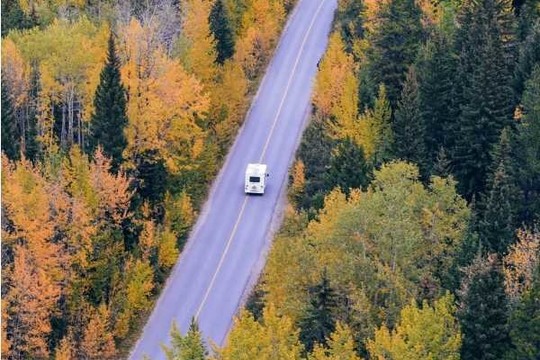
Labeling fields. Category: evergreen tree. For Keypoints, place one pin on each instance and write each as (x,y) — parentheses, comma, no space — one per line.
(442,164)
(485,45)
(31,143)
(109,119)
(436,71)
(529,146)
(484,311)
(349,16)
(348,167)
(151,175)
(315,151)
(525,324)
(394,44)
(499,206)
(318,321)
(528,58)
(221,27)
(13,17)
(10,136)
(409,129)
(382,129)
(188,347)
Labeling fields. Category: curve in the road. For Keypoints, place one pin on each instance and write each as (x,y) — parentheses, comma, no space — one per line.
(225,252)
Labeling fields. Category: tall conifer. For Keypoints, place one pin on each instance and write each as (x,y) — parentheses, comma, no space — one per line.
(109,118)
(220,26)
(318,321)
(484,311)
(485,94)
(10,136)
(409,128)
(394,44)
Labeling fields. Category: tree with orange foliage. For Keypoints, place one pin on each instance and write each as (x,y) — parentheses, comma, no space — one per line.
(98,342)
(31,298)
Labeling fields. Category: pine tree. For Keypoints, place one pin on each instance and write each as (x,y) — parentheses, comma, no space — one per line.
(408,125)
(14,18)
(528,135)
(109,118)
(484,311)
(381,129)
(315,151)
(485,45)
(348,167)
(528,58)
(500,204)
(394,44)
(436,72)
(318,321)
(31,143)
(525,324)
(220,26)
(351,20)
(10,136)
(188,347)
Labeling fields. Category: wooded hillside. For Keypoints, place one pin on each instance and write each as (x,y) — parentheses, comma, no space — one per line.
(412,228)
(116,117)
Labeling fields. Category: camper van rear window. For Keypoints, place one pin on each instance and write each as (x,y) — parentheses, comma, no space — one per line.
(254,179)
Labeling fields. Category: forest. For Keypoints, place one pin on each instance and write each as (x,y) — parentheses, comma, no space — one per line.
(116,116)
(412,224)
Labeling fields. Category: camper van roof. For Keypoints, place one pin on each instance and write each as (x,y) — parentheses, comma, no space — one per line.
(259,169)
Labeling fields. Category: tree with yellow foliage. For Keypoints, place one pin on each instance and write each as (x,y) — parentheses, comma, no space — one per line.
(274,338)
(335,95)
(340,346)
(261,22)
(69,74)
(199,52)
(164,102)
(422,333)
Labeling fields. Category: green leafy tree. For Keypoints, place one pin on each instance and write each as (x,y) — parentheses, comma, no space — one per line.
(186,347)
(318,321)
(394,44)
(221,27)
(109,118)
(348,167)
(408,125)
(10,136)
(484,311)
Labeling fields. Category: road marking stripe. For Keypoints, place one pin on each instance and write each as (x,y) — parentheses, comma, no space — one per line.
(237,223)
(280,108)
(229,242)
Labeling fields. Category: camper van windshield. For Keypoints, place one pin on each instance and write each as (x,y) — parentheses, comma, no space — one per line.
(254,179)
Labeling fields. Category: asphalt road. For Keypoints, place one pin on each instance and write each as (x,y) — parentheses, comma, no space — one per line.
(227,248)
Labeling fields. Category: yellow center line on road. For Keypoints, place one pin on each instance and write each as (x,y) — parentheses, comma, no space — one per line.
(278,113)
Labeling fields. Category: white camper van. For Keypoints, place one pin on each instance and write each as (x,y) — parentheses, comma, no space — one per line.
(256,175)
